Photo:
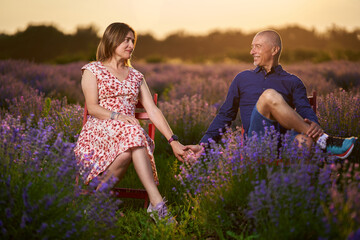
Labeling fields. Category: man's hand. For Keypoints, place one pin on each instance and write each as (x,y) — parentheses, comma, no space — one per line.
(315,130)
(197,149)
(192,153)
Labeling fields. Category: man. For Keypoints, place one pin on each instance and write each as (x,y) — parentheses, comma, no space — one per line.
(269,95)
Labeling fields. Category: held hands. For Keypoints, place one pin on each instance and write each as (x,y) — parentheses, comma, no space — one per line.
(197,150)
(315,130)
(193,152)
(189,153)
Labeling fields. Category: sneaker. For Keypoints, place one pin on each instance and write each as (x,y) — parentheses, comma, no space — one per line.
(160,212)
(340,147)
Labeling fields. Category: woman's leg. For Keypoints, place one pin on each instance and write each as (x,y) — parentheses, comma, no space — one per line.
(144,171)
(117,168)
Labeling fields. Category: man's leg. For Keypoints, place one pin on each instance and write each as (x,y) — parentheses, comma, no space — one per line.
(273,106)
(258,122)
(303,139)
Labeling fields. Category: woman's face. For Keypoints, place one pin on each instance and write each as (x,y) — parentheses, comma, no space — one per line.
(125,49)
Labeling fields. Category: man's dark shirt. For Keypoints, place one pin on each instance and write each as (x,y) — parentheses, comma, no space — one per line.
(245,91)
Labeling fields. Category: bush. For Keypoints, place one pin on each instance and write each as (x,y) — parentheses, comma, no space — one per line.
(250,187)
(39,195)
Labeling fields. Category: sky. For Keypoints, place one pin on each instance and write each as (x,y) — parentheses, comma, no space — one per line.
(163,17)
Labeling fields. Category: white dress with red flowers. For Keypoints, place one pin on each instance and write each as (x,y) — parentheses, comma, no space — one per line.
(101,141)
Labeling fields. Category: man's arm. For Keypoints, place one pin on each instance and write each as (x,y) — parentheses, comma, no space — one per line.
(301,103)
(226,115)
(305,110)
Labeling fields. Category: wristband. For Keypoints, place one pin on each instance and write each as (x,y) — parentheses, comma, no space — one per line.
(173,138)
(113,114)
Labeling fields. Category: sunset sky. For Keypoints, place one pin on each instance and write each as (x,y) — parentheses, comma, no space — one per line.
(161,17)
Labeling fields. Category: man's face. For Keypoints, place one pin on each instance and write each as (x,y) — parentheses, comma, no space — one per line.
(262,51)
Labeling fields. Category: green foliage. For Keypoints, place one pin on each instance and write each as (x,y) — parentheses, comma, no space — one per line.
(136,224)
(155,59)
(43,43)
(47,107)
(240,56)
(36,43)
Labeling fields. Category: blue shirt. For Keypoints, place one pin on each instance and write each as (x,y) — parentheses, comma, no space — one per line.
(245,91)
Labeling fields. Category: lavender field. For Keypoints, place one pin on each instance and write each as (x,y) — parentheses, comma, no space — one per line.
(239,190)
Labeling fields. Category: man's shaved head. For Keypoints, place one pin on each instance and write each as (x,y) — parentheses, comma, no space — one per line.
(273,37)
(266,49)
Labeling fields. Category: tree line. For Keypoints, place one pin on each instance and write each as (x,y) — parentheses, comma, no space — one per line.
(45,43)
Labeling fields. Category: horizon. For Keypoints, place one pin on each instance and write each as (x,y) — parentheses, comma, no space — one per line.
(190,17)
(186,33)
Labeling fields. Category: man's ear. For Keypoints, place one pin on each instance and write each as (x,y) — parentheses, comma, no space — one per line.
(275,50)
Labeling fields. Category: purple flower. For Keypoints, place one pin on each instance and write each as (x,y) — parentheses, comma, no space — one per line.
(8,213)
(42,227)
(354,235)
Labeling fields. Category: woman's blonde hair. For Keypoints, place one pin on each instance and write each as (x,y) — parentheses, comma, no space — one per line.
(113,36)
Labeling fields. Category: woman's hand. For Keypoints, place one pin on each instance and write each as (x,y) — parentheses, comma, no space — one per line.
(127,119)
(178,150)
(192,153)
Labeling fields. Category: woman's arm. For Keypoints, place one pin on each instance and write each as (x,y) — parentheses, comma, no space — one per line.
(90,90)
(157,117)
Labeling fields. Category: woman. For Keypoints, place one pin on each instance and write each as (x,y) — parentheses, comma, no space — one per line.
(112,137)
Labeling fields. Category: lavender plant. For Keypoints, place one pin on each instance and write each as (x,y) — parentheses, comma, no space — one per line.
(169,80)
(339,113)
(39,198)
(287,203)
(342,213)
(189,117)
(54,81)
(253,186)
(63,117)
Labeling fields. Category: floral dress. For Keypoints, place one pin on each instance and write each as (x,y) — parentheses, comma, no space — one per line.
(101,141)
